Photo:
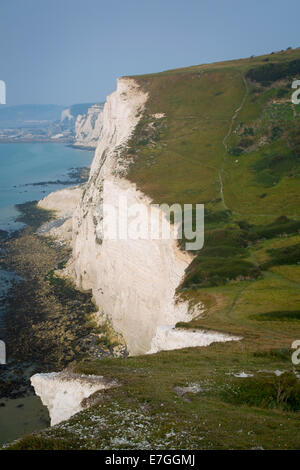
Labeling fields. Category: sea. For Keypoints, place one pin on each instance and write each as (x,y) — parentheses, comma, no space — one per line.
(28,172)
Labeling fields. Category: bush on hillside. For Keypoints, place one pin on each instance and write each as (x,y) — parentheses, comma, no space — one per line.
(266,392)
(236,151)
(216,217)
(271,72)
(278,227)
(281,256)
(214,271)
(226,236)
(280,315)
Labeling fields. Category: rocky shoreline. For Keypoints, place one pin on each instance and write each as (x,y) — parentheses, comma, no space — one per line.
(48,323)
(76,176)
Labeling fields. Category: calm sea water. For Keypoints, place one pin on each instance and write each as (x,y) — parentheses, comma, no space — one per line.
(23,164)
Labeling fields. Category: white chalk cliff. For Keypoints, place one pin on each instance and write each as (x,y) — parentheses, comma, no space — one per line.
(133,281)
(88,127)
(169,338)
(64,392)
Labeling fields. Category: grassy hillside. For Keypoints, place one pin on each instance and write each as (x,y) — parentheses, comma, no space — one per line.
(202,135)
(229,138)
(186,399)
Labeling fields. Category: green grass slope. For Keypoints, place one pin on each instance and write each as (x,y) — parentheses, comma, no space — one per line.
(229,139)
(215,115)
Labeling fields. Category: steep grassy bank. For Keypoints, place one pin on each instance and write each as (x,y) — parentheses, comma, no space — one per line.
(227,136)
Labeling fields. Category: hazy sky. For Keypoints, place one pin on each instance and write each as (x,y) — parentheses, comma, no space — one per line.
(72,51)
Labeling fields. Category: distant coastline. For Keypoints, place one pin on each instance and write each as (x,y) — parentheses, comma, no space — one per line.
(39,141)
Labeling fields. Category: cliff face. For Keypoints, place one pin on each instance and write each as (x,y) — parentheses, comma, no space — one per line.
(133,281)
(88,127)
(64,393)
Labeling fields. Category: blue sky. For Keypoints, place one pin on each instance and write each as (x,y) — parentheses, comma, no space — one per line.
(72,51)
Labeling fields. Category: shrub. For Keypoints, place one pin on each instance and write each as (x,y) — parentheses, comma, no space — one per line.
(285,255)
(226,236)
(276,132)
(248,131)
(280,315)
(266,392)
(280,226)
(282,92)
(294,141)
(204,272)
(222,251)
(217,217)
(283,354)
(236,151)
(245,142)
(244,225)
(271,72)
(39,442)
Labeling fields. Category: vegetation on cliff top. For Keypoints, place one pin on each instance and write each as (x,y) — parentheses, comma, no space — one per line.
(187,399)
